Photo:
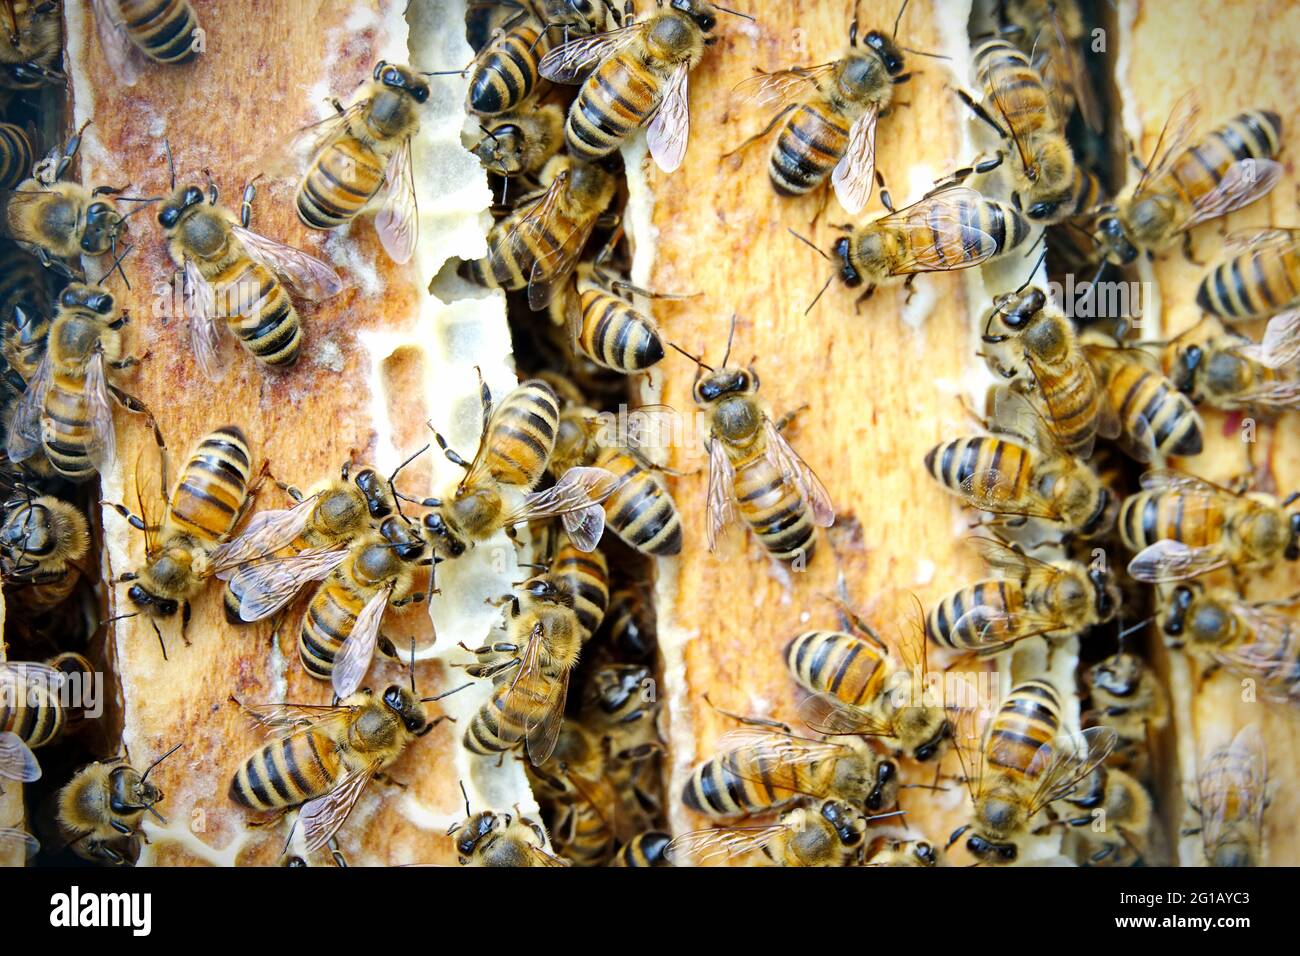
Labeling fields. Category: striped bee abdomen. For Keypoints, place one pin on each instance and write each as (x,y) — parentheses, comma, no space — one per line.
(258,309)
(585,575)
(213,487)
(614,102)
(1254,134)
(1029,718)
(774,509)
(341,181)
(66,423)
(30,711)
(974,616)
(1147,401)
(1150,516)
(1255,284)
(841,665)
(327,623)
(640,510)
(617,336)
(715,789)
(986,468)
(15,155)
(644,850)
(523,434)
(808,147)
(1021,95)
(164,30)
(287,772)
(1073,400)
(506,72)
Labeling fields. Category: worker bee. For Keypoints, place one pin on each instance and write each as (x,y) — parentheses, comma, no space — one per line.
(101,808)
(1043,172)
(188,545)
(32,714)
(537,246)
(544,638)
(67,409)
(1052,32)
(752,468)
(322,757)
(760,768)
(1054,600)
(365,151)
(606,326)
(830,114)
(577,18)
(15,155)
(1127,696)
(1018,762)
(31,45)
(644,850)
(1181,526)
(891,851)
(860,686)
(639,508)
(504,74)
(515,445)
(327,519)
(231,280)
(829,833)
(132,32)
(1154,417)
(1261,278)
(522,142)
(1110,817)
(1191,182)
(1019,473)
(639,76)
(619,707)
(953,228)
(1231,796)
(1228,371)
(589,820)
(501,839)
(43,542)
(1028,340)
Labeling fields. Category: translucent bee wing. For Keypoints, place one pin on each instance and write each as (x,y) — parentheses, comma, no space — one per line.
(1233,785)
(1280,346)
(542,730)
(782,87)
(670,130)
(11,838)
(1060,765)
(120,52)
(855,174)
(578,493)
(1166,562)
(721,500)
(831,716)
(321,818)
(968,728)
(25,437)
(1085,97)
(398,220)
(996,629)
(1253,238)
(796,470)
(266,533)
(1167,479)
(1275,395)
(17,762)
(556,262)
(1245,181)
(267,586)
(209,337)
(101,448)
(568,62)
(703,847)
(359,649)
(937,234)
(281,720)
(1174,137)
(306,276)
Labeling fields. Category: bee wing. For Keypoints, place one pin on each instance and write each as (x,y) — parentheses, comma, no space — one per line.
(1167,479)
(722,486)
(17,762)
(266,533)
(1014,414)
(670,130)
(795,469)
(119,51)
(306,276)
(398,220)
(968,726)
(702,847)
(1280,346)
(1173,139)
(987,622)
(546,859)
(284,719)
(536,228)
(827,714)
(567,62)
(11,838)
(1166,562)
(267,586)
(1244,240)
(781,757)
(209,337)
(1269,656)
(1007,559)
(321,818)
(1061,764)
(782,87)
(542,731)
(855,174)
(942,225)
(1026,157)
(1085,97)
(359,649)
(539,695)
(1245,181)
(553,266)
(25,437)
(575,499)
(1060,405)
(101,448)
(1276,395)
(1234,788)
(910,640)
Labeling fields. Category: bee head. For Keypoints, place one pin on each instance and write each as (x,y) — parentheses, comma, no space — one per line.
(884,788)
(26,531)
(616,686)
(408,709)
(1113,239)
(847,822)
(475,830)
(848,271)
(924,852)
(372,488)
(1016,309)
(887,50)
(1175,623)
(130,793)
(500,149)
(543,588)
(988,851)
(102,227)
(445,541)
(400,78)
(1185,364)
(406,543)
(1119,675)
(182,200)
(88,297)
(723,382)
(1105,593)
(700,11)
(150,603)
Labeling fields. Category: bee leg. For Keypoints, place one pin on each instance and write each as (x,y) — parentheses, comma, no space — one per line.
(765,132)
(135,522)
(185,621)
(58,266)
(785,420)
(1188,251)
(267,821)
(821,210)
(751,721)
(909,284)
(133,404)
(336,854)
(979,110)
(867,294)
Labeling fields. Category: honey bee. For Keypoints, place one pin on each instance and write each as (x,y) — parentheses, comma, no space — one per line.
(605,325)
(31,46)
(588,819)
(618,706)
(43,542)
(1127,696)
(1231,796)
(752,468)
(322,757)
(953,228)
(504,74)
(521,143)
(132,32)
(890,851)
(1191,181)
(639,509)
(1018,762)
(537,246)
(1226,370)
(231,280)
(829,833)
(830,114)
(544,638)
(31,715)
(515,444)
(1260,279)
(1025,333)
(1044,176)
(644,850)
(1155,418)
(327,519)
(857,681)
(187,546)
(67,409)
(1052,32)
(1181,526)
(1054,600)
(1019,473)
(101,808)
(501,839)
(760,768)
(363,155)
(639,75)
(1116,821)
(15,155)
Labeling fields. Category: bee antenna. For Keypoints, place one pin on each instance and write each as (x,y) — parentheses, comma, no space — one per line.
(117,267)
(1126,631)
(734,13)
(119,617)
(161,642)
(465,793)
(412,663)
(1042,257)
(731,335)
(490,134)
(695,359)
(392,487)
(171,160)
(933,56)
(812,305)
(446,693)
(145,776)
(899,19)
(809,243)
